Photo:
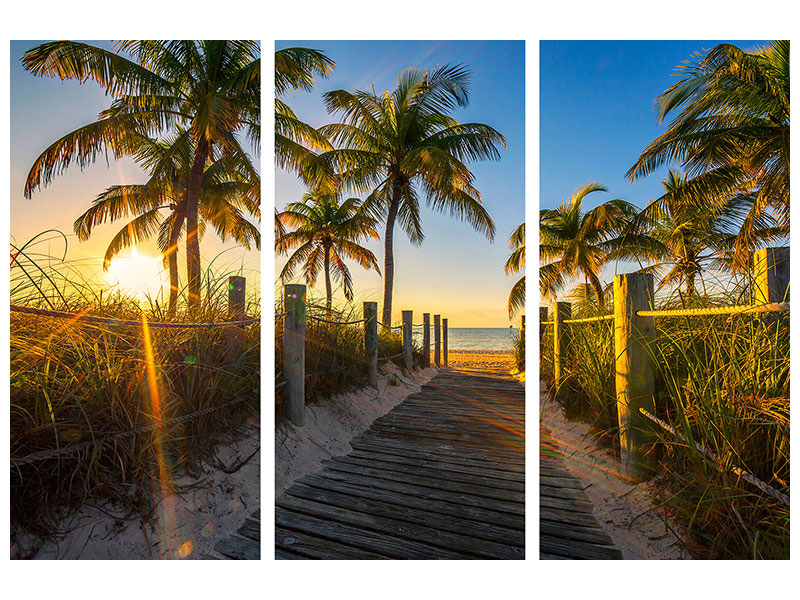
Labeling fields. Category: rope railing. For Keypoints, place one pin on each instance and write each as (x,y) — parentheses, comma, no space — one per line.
(114,321)
(296,333)
(321,320)
(709,455)
(589,319)
(717,310)
(46,454)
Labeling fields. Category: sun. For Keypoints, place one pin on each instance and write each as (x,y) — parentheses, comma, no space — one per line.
(137,275)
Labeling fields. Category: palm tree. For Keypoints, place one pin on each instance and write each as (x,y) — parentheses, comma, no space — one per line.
(211,88)
(731,134)
(572,241)
(295,141)
(690,237)
(159,205)
(514,264)
(326,233)
(404,144)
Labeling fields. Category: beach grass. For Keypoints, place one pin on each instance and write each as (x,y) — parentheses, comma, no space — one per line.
(74,383)
(335,360)
(724,382)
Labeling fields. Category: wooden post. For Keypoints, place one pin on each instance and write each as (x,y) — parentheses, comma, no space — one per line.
(542,319)
(561,311)
(635,378)
(771,266)
(294,351)
(371,340)
(408,319)
(236,291)
(426,339)
(437,340)
(444,342)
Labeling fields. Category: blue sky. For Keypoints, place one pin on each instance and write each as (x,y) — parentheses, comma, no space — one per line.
(44,109)
(597,114)
(456,272)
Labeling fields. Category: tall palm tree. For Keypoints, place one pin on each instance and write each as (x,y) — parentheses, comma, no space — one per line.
(730,132)
(326,233)
(573,242)
(158,207)
(211,88)
(398,146)
(690,238)
(514,264)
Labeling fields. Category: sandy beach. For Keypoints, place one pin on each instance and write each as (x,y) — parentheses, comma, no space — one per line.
(628,513)
(493,360)
(332,423)
(210,507)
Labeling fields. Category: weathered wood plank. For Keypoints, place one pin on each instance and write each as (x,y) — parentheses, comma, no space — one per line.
(303,545)
(401,509)
(238,548)
(576,549)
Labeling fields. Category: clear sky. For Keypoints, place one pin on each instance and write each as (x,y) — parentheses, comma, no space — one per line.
(597,114)
(455,272)
(44,109)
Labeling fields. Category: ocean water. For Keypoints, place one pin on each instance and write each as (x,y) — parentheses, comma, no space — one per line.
(475,338)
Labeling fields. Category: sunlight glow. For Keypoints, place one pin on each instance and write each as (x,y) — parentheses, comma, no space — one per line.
(137,275)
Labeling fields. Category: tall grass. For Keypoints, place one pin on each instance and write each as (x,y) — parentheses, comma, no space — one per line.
(724,382)
(336,361)
(73,382)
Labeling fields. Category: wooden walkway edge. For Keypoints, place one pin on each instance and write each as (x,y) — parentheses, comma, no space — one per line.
(441,476)
(245,544)
(567,526)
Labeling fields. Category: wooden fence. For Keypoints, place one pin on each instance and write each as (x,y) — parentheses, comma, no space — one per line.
(294,344)
(634,331)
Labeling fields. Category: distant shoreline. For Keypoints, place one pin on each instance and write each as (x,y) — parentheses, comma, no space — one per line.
(454,351)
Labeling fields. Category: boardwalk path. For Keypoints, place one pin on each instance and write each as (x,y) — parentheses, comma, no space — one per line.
(440,476)
(567,527)
(245,544)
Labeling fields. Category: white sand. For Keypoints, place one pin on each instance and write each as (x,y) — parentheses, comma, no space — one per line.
(628,513)
(332,423)
(185,527)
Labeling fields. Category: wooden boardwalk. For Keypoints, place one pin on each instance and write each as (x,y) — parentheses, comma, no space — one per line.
(567,527)
(441,476)
(245,544)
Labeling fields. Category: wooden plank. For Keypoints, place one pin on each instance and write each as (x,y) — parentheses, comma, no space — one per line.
(511,526)
(576,550)
(251,529)
(418,513)
(443,452)
(475,488)
(361,538)
(437,464)
(467,499)
(305,546)
(238,548)
(560,503)
(430,471)
(402,529)
(571,532)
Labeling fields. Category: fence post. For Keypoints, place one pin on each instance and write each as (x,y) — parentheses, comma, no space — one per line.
(437,340)
(444,342)
(542,319)
(771,266)
(236,292)
(426,339)
(294,351)
(408,319)
(561,311)
(635,378)
(371,340)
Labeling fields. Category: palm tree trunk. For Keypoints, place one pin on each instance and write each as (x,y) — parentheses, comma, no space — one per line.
(388,256)
(192,239)
(172,261)
(598,290)
(328,291)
